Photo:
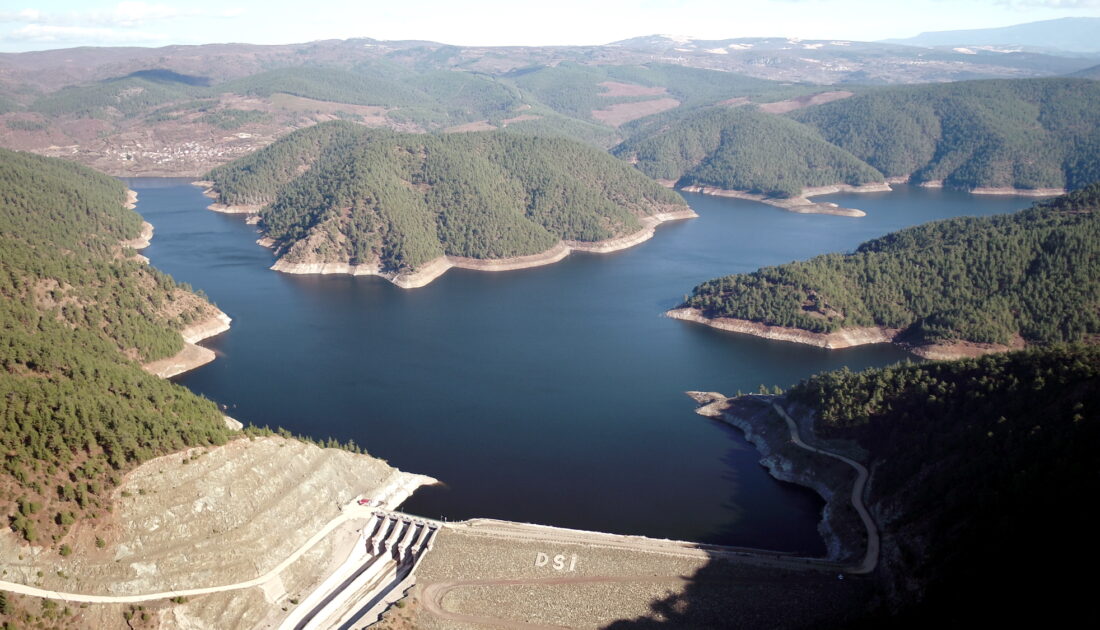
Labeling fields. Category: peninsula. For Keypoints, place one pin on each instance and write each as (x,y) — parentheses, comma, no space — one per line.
(954,288)
(341,198)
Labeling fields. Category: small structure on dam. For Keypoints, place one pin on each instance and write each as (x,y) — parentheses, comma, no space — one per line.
(377,572)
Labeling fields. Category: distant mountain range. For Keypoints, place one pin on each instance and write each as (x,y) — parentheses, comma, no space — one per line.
(181,110)
(1067,35)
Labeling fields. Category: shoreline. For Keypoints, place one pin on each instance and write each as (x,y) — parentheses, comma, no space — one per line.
(800,204)
(143,240)
(438,266)
(849,338)
(844,338)
(192,355)
(1019,192)
(996,190)
(224,208)
(772,440)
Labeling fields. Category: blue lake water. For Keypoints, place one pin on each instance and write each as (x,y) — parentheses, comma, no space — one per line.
(551,395)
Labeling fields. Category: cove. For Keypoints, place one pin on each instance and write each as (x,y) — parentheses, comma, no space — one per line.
(550,395)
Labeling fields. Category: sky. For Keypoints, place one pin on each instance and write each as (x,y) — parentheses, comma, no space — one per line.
(47,24)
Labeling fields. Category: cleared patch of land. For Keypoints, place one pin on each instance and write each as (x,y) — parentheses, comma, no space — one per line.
(782,107)
(622,113)
(479,125)
(289,102)
(617,88)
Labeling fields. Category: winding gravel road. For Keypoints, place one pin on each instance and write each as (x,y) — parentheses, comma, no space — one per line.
(870,559)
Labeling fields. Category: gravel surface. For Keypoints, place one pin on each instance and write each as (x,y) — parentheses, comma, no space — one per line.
(480,581)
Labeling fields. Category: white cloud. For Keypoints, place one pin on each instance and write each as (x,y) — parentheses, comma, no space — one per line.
(124,14)
(1050,4)
(104,35)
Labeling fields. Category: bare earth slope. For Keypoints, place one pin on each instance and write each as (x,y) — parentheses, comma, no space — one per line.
(206,517)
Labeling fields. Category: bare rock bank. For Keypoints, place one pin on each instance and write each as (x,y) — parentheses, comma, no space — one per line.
(437,267)
(800,204)
(192,355)
(845,337)
(840,525)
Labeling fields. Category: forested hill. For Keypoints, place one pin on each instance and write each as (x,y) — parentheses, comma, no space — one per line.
(976,468)
(76,310)
(343,193)
(1033,133)
(744,149)
(1027,133)
(1033,275)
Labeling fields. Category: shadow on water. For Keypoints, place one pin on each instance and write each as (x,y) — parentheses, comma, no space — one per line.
(739,593)
(762,589)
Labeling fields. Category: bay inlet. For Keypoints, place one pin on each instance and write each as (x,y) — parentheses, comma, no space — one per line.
(551,395)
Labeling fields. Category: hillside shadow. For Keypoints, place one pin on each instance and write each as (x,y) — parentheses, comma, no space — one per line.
(759,591)
(167,76)
(741,595)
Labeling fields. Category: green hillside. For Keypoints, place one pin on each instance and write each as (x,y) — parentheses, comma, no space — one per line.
(975,465)
(1034,133)
(575,90)
(1035,274)
(76,409)
(403,199)
(744,149)
(428,98)
(1031,133)
(129,96)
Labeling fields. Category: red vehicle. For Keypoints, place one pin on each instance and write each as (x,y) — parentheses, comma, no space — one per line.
(366,502)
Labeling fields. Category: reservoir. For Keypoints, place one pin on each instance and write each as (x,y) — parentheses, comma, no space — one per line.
(550,395)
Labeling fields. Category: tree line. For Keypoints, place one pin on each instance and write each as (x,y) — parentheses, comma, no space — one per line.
(76,410)
(1033,274)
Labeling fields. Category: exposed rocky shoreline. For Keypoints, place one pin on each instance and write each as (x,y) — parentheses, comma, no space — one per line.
(192,355)
(800,204)
(843,338)
(437,267)
(803,205)
(143,240)
(208,191)
(846,338)
(753,416)
(998,190)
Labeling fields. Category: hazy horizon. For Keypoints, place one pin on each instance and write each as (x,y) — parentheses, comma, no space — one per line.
(56,24)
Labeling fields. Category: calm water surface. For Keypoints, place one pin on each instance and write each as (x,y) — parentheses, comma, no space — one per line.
(550,395)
